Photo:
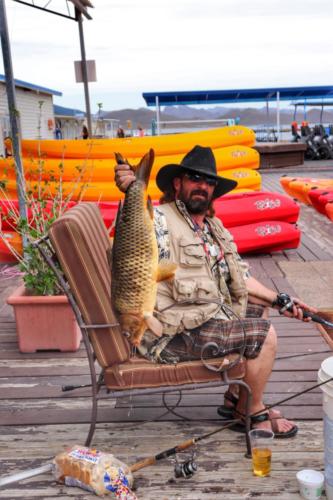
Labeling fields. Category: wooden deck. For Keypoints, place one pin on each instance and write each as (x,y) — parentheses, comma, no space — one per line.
(37,420)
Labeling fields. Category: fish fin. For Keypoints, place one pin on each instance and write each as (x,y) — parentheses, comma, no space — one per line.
(118,217)
(154,324)
(166,270)
(109,256)
(150,207)
(143,169)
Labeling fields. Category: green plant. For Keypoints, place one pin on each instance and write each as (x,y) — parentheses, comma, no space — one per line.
(47,197)
(45,200)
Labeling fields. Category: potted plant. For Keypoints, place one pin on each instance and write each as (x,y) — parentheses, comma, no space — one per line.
(43,315)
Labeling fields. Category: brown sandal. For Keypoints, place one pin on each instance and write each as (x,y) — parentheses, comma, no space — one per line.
(264,417)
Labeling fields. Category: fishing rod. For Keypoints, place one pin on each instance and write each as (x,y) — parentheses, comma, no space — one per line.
(286,303)
(187,466)
(185,469)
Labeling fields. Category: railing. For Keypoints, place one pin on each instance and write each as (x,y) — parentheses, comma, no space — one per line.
(178,126)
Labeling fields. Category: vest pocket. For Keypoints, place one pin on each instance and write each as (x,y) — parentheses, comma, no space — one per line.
(192,289)
(191,254)
(207,289)
(184,289)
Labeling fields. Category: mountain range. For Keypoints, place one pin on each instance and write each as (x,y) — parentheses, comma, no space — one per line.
(247,116)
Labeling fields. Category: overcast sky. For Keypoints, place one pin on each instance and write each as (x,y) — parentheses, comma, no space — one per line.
(161,45)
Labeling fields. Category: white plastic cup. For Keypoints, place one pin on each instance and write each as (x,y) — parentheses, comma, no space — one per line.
(310,483)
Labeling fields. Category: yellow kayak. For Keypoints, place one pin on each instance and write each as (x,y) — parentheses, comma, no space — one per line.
(103,169)
(245,178)
(132,147)
(107,191)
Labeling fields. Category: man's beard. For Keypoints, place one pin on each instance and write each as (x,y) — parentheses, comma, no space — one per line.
(196,206)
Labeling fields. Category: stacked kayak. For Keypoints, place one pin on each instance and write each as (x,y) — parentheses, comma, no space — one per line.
(314,192)
(259,221)
(107,191)
(86,167)
(133,147)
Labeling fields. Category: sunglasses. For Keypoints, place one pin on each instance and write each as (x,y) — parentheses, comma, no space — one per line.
(201,178)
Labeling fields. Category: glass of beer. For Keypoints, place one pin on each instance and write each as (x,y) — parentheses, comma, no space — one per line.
(261,445)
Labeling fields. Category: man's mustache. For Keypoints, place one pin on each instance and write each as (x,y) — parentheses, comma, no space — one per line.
(200,192)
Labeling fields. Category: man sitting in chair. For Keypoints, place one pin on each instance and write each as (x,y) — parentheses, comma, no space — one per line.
(209,266)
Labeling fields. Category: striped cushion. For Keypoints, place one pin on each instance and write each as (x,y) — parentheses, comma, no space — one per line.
(81,241)
(139,373)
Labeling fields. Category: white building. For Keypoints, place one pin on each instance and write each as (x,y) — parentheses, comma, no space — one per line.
(69,123)
(41,119)
(35,106)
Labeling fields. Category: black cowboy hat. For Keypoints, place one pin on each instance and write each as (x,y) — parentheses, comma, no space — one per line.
(199,160)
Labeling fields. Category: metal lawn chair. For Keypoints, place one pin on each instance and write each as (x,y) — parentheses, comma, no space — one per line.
(76,249)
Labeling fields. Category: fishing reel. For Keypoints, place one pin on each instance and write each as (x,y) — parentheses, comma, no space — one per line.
(284,302)
(187,468)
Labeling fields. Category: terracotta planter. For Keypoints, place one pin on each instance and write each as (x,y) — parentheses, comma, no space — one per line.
(44,323)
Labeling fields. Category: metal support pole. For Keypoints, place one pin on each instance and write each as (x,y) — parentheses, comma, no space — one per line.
(278,116)
(13,112)
(157,103)
(84,70)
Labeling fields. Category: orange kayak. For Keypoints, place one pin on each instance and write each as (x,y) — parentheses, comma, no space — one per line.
(300,187)
(103,169)
(133,147)
(288,186)
(108,191)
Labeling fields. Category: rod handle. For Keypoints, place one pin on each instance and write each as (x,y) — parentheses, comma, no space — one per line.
(143,463)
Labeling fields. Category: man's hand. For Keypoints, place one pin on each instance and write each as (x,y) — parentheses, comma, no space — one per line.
(298,307)
(124,176)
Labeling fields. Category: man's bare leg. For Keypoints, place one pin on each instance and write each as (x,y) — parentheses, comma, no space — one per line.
(258,371)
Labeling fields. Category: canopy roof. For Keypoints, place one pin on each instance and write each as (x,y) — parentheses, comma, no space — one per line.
(237,95)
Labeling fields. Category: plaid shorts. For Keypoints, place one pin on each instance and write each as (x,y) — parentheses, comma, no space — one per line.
(228,335)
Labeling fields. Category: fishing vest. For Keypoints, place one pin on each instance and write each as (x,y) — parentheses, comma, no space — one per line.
(194,279)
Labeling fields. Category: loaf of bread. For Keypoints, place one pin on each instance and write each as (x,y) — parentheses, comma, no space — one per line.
(94,471)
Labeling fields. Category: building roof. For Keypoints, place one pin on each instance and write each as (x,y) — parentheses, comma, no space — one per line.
(70,112)
(237,95)
(32,86)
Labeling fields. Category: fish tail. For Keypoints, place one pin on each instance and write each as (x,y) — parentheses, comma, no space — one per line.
(120,159)
(143,169)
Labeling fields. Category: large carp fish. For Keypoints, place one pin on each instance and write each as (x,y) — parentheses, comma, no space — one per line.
(135,270)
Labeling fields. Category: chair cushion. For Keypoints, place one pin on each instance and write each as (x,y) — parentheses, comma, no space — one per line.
(140,373)
(80,240)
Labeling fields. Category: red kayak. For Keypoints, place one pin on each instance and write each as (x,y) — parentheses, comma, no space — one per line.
(324,199)
(13,240)
(267,236)
(237,210)
(329,210)
(319,198)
